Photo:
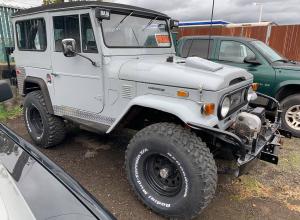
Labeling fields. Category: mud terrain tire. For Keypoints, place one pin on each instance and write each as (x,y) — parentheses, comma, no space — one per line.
(171,170)
(45,129)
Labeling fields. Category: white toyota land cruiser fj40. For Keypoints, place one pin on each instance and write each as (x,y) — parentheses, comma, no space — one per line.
(109,66)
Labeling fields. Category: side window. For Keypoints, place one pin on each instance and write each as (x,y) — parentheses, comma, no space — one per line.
(234,51)
(186,48)
(88,38)
(199,48)
(31,34)
(66,27)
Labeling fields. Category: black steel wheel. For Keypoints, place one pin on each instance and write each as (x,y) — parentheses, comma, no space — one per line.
(163,175)
(171,170)
(35,120)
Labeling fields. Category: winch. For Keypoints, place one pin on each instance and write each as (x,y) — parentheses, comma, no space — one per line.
(247,126)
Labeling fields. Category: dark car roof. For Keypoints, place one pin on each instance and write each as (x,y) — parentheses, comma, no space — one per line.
(86,4)
(219,37)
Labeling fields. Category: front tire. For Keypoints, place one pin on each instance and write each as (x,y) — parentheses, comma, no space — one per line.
(171,170)
(291,114)
(45,129)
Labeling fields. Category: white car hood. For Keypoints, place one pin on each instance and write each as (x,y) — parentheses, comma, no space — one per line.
(191,73)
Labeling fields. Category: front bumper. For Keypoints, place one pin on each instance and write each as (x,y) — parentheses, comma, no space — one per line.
(264,147)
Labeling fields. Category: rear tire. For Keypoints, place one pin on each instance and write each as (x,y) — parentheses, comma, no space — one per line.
(291,114)
(45,129)
(171,170)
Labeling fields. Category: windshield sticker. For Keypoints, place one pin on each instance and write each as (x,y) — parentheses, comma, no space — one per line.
(162,40)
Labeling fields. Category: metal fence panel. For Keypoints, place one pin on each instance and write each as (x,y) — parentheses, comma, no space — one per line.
(6,30)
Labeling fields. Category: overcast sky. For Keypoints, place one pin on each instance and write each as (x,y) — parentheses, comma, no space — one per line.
(279,11)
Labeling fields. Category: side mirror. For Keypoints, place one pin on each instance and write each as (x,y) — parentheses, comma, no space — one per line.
(5,91)
(251,60)
(174,24)
(69,47)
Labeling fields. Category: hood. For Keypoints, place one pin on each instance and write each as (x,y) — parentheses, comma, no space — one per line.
(287,66)
(192,73)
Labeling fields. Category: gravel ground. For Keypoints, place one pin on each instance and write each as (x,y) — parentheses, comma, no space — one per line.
(96,161)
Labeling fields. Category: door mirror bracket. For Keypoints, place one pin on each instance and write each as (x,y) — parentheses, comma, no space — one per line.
(251,60)
(69,50)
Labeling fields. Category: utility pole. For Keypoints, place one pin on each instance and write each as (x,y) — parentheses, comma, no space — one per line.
(261,10)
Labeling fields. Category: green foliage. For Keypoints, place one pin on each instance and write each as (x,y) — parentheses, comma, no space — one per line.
(10,114)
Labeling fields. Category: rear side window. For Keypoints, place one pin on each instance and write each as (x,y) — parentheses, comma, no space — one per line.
(66,27)
(88,38)
(199,48)
(31,34)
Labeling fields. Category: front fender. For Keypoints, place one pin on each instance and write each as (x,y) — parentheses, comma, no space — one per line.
(286,83)
(186,110)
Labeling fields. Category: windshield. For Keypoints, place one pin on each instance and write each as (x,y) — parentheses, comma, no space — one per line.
(268,52)
(128,30)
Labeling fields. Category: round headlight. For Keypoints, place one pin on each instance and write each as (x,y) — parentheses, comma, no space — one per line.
(225,107)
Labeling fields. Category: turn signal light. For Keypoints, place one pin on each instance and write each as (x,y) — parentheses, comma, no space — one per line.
(255,86)
(208,108)
(182,93)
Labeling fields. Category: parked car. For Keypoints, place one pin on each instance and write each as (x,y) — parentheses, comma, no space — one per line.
(33,187)
(110,66)
(278,77)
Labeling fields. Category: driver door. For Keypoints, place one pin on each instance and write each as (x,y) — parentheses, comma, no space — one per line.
(233,53)
(78,85)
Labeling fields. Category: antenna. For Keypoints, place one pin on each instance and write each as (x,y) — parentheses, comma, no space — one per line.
(210,29)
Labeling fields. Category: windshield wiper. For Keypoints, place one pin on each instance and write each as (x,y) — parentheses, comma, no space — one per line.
(150,22)
(281,60)
(135,36)
(118,25)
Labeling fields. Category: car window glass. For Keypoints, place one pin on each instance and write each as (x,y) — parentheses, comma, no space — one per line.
(186,48)
(135,31)
(88,39)
(199,48)
(31,35)
(234,51)
(66,27)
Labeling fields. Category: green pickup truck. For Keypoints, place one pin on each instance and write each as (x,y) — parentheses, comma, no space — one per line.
(278,77)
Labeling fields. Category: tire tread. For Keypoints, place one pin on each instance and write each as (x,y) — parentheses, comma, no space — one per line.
(56,125)
(194,148)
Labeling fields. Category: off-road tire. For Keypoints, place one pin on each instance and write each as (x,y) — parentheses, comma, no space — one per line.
(196,164)
(53,128)
(286,104)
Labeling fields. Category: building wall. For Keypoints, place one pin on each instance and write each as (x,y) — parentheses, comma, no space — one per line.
(284,38)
